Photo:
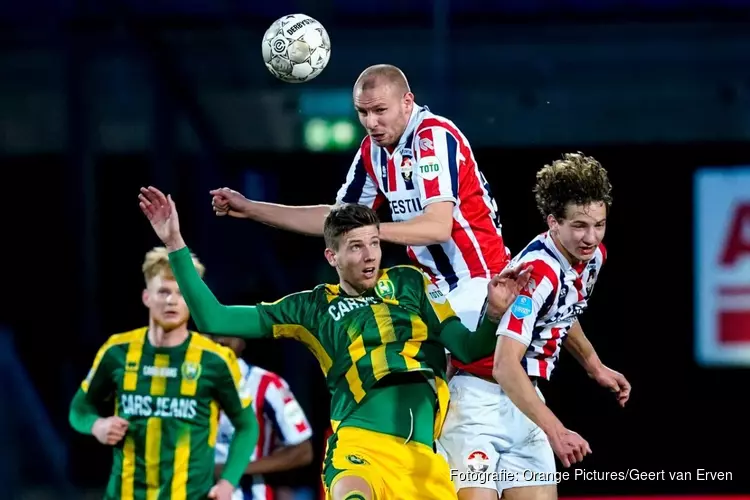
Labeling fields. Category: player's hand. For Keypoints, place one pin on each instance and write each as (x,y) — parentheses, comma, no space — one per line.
(569,446)
(110,430)
(162,214)
(222,490)
(615,382)
(227,201)
(504,288)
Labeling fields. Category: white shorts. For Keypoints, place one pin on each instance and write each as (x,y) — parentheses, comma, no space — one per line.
(489,443)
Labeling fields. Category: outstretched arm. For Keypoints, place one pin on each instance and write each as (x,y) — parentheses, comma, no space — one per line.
(209,314)
(305,220)
(469,346)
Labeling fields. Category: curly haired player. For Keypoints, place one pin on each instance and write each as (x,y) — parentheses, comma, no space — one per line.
(501,423)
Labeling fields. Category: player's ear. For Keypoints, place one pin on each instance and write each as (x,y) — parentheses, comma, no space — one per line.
(144,297)
(330,257)
(552,223)
(409,100)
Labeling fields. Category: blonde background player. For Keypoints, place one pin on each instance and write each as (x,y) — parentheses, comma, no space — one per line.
(504,424)
(169,384)
(284,431)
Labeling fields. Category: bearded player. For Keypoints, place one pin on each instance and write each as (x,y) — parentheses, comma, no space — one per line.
(501,422)
(168,384)
(379,336)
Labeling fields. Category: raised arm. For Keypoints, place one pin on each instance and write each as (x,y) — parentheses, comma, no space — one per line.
(466,345)
(359,187)
(304,220)
(209,314)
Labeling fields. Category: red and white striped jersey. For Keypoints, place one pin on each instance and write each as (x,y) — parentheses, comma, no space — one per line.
(555,297)
(281,421)
(432,163)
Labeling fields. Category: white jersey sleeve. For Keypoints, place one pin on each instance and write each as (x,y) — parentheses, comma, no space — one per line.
(290,419)
(520,319)
(438,157)
(360,186)
(225,432)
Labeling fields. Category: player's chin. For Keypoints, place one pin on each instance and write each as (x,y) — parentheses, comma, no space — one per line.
(172,321)
(585,253)
(368,279)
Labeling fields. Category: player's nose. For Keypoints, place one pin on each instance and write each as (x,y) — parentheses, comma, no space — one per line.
(371,122)
(368,255)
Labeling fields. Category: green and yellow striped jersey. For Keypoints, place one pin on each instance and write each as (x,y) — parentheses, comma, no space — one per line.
(358,341)
(171,398)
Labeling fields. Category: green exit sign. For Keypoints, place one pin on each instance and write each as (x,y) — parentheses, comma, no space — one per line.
(330,134)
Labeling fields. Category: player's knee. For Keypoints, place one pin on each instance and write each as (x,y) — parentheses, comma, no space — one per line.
(477,494)
(352,488)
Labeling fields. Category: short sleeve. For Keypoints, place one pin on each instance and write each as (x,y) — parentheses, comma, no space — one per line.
(287,413)
(438,159)
(99,382)
(519,320)
(232,395)
(288,314)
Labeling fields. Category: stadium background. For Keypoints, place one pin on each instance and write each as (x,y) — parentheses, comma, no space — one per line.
(99,98)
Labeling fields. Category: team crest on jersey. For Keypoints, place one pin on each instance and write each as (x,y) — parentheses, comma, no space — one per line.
(191,370)
(357,460)
(407,167)
(521,307)
(385,290)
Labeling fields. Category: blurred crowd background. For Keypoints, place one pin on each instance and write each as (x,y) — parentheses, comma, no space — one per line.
(100,98)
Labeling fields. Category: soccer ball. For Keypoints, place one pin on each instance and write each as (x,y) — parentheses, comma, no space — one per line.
(296,48)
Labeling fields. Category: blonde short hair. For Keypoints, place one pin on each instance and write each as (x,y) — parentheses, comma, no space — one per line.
(156,263)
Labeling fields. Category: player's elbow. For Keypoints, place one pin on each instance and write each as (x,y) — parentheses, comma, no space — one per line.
(302,455)
(440,216)
(499,371)
(443,233)
(306,453)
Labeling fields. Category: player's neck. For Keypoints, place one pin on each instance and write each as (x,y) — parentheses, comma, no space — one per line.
(349,289)
(159,337)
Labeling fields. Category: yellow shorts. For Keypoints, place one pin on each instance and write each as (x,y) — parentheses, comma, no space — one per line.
(394,470)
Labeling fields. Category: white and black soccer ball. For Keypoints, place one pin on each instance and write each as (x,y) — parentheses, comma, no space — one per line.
(296,48)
